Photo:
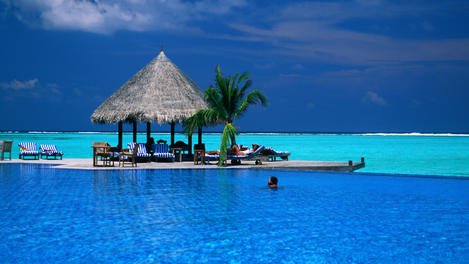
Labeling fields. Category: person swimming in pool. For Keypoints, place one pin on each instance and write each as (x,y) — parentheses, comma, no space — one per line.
(273,182)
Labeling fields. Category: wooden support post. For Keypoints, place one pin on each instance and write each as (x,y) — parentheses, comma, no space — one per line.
(363,160)
(172,133)
(119,129)
(134,138)
(350,163)
(148,131)
(199,132)
(189,142)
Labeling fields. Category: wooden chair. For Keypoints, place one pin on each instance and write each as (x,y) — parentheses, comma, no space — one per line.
(101,152)
(5,147)
(126,155)
(199,152)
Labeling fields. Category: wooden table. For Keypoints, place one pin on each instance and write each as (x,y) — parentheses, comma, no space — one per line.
(104,152)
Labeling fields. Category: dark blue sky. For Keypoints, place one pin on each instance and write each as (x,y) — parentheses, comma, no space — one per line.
(325,66)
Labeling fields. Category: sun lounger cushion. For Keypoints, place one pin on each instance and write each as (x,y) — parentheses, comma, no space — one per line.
(164,155)
(162,151)
(28,148)
(141,151)
(50,149)
(160,148)
(212,156)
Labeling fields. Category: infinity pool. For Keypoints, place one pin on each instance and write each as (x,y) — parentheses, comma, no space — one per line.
(229,216)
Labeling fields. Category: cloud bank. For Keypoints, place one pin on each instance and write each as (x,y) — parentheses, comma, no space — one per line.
(359,32)
(108,16)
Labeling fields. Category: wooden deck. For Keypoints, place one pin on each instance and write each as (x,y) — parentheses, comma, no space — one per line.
(87,164)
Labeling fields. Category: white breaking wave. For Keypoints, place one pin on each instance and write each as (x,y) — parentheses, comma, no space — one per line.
(414,134)
(42,132)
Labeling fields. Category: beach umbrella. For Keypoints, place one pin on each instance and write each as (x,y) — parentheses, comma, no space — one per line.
(160,92)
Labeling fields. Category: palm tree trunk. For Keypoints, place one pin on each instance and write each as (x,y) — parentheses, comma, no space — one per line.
(233,140)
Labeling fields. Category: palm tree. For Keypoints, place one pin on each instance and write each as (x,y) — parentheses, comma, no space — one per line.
(227,100)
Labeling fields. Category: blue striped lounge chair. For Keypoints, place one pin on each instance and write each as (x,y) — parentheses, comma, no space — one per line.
(161,151)
(236,159)
(50,151)
(141,151)
(28,149)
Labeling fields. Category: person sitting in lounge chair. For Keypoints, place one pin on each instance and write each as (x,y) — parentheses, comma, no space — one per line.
(234,150)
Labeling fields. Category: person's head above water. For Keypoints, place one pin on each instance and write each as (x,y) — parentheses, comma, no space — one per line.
(272,181)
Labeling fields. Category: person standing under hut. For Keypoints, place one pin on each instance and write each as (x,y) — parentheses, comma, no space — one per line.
(149,145)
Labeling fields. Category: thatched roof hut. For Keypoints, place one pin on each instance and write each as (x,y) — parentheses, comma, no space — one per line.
(159,92)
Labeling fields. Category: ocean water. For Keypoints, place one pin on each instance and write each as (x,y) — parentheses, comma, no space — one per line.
(229,216)
(443,154)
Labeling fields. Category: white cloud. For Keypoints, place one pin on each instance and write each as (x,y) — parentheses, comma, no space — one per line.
(19,85)
(108,16)
(374,98)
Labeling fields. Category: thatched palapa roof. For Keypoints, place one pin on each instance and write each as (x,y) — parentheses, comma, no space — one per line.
(159,92)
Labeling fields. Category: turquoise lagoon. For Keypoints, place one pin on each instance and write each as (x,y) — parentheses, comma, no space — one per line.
(421,154)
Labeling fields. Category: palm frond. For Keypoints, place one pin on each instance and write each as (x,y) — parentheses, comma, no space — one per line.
(201,118)
(210,117)
(244,76)
(221,83)
(254,97)
(245,87)
(215,101)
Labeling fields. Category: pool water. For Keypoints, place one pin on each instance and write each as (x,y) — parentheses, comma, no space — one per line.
(229,216)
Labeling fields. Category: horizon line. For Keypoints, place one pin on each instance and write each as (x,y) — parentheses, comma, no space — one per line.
(438,133)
